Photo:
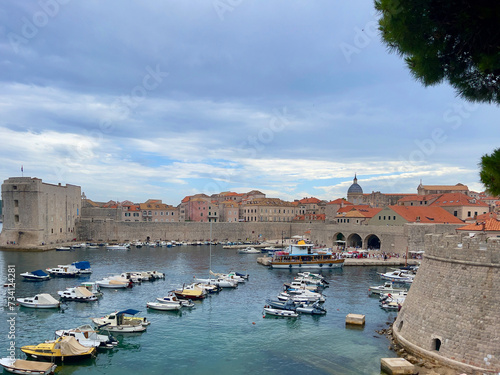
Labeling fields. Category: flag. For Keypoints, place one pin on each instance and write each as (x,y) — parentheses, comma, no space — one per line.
(22,170)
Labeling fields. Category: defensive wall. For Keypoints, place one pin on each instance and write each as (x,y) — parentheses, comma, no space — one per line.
(452,312)
(392,238)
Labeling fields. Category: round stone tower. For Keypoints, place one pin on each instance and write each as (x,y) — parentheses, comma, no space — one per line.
(452,312)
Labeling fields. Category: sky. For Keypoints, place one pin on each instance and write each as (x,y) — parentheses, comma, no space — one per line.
(133,100)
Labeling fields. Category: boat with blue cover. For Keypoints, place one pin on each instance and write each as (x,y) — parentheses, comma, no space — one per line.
(83,267)
(37,275)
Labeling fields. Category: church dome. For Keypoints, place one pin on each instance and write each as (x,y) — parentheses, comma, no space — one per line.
(355,188)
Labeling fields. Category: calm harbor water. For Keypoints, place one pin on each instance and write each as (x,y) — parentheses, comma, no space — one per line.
(224,334)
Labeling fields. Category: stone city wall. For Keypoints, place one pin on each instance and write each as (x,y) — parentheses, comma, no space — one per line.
(452,312)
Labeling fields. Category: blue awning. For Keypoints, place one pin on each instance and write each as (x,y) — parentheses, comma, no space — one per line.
(39,273)
(128,311)
(82,265)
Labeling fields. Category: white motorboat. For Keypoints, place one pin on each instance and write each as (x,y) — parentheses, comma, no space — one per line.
(171,298)
(294,285)
(279,312)
(398,276)
(391,304)
(114,283)
(223,283)
(78,294)
(163,306)
(393,296)
(136,277)
(386,288)
(40,301)
(118,247)
(64,271)
(119,322)
(302,297)
(249,250)
(63,248)
(21,366)
(87,336)
(37,275)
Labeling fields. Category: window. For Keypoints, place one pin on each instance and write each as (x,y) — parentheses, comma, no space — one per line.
(468,214)
(436,344)
(16,218)
(14,187)
(475,213)
(455,213)
(394,218)
(16,203)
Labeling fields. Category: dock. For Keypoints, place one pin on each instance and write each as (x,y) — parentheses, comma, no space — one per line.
(397,262)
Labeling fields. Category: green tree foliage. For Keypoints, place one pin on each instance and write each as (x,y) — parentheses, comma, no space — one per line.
(453,40)
(490,172)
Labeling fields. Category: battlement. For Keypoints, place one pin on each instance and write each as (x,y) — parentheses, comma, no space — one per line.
(478,249)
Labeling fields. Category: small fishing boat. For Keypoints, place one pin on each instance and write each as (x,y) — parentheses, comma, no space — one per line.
(279,312)
(163,306)
(189,292)
(388,287)
(88,337)
(171,298)
(40,301)
(63,248)
(63,271)
(92,287)
(398,276)
(83,267)
(221,282)
(311,308)
(282,305)
(117,247)
(37,275)
(119,322)
(78,294)
(62,349)
(21,366)
(249,250)
(114,283)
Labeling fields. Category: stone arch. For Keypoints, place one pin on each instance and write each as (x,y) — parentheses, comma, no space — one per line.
(339,236)
(372,242)
(354,240)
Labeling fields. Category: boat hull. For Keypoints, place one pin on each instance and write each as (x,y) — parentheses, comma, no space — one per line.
(282,313)
(38,306)
(17,367)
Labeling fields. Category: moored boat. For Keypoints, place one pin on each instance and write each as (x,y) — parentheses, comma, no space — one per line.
(279,312)
(78,294)
(119,322)
(311,308)
(37,275)
(188,292)
(249,250)
(40,301)
(388,287)
(301,256)
(163,306)
(22,366)
(62,349)
(88,337)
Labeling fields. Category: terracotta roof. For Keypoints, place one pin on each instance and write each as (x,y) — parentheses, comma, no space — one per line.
(489,215)
(339,201)
(186,199)
(311,200)
(457,199)
(458,187)
(425,214)
(492,225)
(416,197)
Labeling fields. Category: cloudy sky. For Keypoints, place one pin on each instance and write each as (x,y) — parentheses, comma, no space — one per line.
(163,99)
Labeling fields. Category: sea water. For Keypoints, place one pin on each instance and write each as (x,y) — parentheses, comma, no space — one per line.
(224,334)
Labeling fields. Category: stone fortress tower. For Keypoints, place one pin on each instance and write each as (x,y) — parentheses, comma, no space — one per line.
(355,192)
(36,213)
(452,312)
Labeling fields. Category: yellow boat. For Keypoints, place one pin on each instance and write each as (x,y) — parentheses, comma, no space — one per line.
(190,292)
(65,348)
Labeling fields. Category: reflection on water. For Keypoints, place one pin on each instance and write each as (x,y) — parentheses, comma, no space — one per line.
(224,334)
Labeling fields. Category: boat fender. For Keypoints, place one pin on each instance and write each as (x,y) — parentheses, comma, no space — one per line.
(321,265)
(330,264)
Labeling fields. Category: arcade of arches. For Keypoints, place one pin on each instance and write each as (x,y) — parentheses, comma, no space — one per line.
(354,240)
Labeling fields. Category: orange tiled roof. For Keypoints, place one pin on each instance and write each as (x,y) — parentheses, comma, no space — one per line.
(457,187)
(491,224)
(311,200)
(457,199)
(489,215)
(416,197)
(186,199)
(426,214)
